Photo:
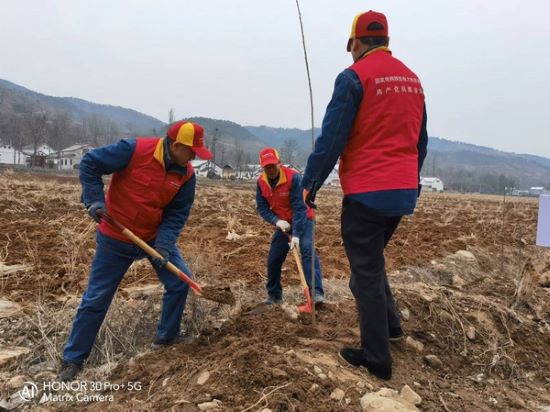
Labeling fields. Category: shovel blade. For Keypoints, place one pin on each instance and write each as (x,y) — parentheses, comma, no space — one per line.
(306,308)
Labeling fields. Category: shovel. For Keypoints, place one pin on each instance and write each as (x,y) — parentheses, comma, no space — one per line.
(216,294)
(307,307)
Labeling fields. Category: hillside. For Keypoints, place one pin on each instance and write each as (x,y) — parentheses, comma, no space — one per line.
(230,142)
(15,99)
(31,118)
(28,117)
(469,167)
(277,135)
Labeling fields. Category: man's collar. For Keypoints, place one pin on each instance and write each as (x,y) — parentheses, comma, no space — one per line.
(372,50)
(162,155)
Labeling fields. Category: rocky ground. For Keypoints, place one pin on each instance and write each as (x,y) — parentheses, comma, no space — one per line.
(471,286)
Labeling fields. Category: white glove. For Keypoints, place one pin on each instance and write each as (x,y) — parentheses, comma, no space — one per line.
(294,242)
(283,225)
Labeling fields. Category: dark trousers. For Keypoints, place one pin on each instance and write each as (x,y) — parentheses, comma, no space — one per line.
(112,260)
(365,236)
(277,255)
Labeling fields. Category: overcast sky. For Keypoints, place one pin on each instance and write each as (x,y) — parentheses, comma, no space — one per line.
(485,65)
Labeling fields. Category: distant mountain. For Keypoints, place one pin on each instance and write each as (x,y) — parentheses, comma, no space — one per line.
(15,99)
(231,143)
(227,131)
(469,167)
(275,136)
(28,117)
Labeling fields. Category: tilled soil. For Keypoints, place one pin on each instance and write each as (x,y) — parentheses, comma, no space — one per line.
(493,342)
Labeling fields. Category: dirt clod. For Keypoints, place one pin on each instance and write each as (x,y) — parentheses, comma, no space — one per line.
(220,294)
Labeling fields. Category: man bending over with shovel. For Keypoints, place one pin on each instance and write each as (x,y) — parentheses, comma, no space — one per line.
(279,202)
(151,193)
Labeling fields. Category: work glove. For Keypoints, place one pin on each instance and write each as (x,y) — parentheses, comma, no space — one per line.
(294,243)
(159,263)
(283,225)
(94,207)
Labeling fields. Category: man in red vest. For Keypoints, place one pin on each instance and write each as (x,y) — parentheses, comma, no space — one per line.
(376,124)
(151,193)
(279,202)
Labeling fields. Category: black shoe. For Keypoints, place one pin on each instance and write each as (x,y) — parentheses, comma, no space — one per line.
(68,371)
(159,343)
(356,357)
(271,300)
(396,335)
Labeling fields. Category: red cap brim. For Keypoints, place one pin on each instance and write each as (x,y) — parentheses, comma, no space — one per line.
(202,152)
(270,162)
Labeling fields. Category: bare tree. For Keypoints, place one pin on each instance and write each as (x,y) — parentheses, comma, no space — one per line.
(13,129)
(223,149)
(239,156)
(36,124)
(171,116)
(213,142)
(58,135)
(98,129)
(289,150)
(114,132)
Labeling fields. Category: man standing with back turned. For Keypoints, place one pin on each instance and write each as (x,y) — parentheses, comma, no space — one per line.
(376,123)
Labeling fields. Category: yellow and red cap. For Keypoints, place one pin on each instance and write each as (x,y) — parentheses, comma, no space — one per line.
(361,23)
(192,135)
(269,156)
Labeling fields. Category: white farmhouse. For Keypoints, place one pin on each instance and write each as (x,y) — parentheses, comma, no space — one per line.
(42,150)
(202,167)
(433,184)
(69,158)
(11,156)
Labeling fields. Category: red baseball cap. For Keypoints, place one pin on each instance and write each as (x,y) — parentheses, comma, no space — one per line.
(190,134)
(360,26)
(269,156)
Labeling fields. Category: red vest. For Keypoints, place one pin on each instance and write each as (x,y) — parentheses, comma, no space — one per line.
(139,193)
(381,152)
(279,198)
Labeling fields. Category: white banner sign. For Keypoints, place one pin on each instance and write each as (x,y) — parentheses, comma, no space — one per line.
(543,226)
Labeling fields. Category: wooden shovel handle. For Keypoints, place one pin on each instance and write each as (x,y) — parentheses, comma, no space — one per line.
(151,251)
(300,269)
(307,307)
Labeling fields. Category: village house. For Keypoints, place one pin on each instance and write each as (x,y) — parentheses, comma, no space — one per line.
(206,168)
(10,156)
(228,172)
(70,157)
(42,149)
